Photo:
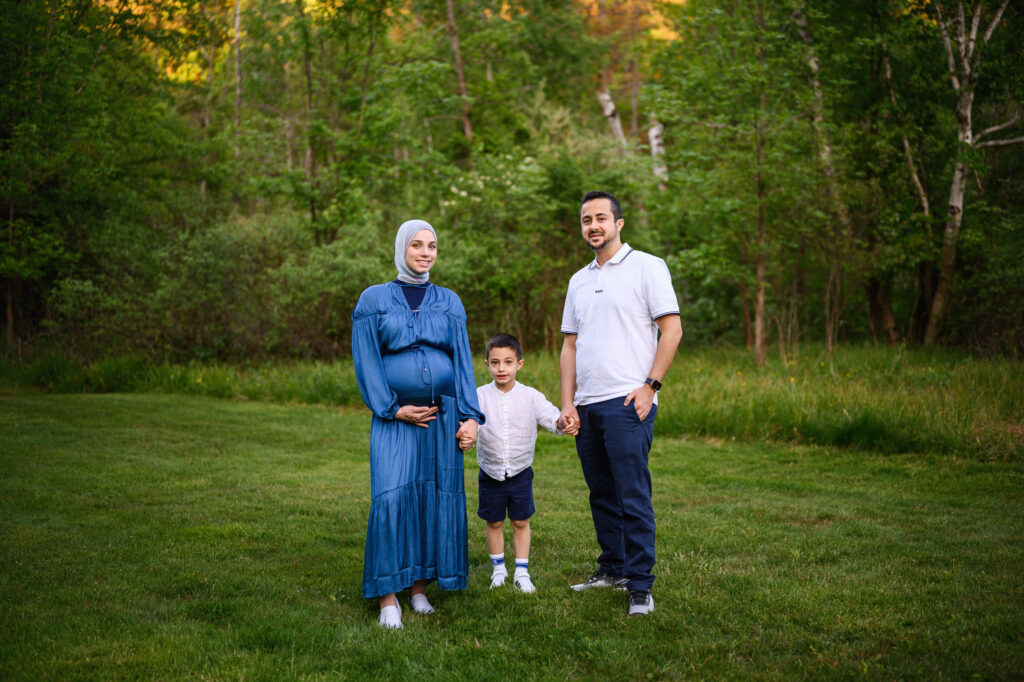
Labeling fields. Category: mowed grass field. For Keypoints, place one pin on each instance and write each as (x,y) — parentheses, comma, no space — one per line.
(148,536)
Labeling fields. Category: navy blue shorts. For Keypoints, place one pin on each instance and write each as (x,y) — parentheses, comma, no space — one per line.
(514,494)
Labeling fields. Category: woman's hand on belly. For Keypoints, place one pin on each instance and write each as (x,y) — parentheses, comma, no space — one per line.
(417,415)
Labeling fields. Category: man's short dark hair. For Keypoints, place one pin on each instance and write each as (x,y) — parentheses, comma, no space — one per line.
(590,196)
(504,341)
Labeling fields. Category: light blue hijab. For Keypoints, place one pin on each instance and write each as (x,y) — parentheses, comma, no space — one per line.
(406,232)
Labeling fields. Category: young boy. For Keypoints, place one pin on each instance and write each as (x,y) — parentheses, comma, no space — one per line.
(504,452)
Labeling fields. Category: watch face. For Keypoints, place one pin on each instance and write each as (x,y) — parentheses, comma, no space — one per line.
(654,383)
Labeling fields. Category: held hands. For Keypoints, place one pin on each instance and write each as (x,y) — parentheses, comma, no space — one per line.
(466,435)
(642,399)
(569,421)
(417,415)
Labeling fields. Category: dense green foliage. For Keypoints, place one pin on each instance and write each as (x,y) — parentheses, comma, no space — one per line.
(220,179)
(162,537)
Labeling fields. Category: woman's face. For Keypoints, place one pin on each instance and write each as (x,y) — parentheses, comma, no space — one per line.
(422,252)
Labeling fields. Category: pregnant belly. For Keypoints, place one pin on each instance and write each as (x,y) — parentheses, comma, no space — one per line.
(419,375)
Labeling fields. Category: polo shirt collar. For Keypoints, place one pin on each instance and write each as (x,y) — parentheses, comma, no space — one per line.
(614,260)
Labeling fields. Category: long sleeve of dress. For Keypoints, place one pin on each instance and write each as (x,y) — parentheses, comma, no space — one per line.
(369,366)
(465,381)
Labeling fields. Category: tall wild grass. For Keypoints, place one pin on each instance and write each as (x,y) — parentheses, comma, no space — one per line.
(881,399)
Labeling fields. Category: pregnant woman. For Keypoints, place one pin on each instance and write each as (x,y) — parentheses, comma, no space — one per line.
(414,368)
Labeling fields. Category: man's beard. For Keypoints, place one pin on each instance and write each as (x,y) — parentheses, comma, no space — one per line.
(600,245)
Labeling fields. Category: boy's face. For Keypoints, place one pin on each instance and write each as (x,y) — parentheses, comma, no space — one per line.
(503,365)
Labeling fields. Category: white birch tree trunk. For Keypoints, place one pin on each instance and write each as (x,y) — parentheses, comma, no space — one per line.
(963,59)
(655,137)
(612,114)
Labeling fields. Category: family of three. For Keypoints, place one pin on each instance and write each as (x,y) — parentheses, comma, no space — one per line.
(414,368)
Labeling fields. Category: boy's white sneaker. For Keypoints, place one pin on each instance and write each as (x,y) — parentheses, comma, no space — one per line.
(420,604)
(498,579)
(391,617)
(524,585)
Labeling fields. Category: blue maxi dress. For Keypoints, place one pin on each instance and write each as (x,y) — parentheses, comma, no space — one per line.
(417,526)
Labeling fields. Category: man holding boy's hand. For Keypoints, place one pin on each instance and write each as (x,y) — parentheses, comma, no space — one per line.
(612,365)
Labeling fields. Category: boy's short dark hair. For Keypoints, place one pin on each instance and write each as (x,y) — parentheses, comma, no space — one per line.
(597,194)
(504,341)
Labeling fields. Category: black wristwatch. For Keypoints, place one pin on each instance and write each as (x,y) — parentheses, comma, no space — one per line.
(653,383)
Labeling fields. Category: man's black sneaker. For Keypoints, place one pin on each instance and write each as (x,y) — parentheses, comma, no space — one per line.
(601,580)
(640,602)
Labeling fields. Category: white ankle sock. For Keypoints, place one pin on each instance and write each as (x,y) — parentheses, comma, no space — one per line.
(420,604)
(498,570)
(522,577)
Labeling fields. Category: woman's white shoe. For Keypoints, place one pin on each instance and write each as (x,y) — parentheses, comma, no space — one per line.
(420,604)
(391,617)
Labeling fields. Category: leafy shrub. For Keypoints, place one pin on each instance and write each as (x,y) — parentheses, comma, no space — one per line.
(56,373)
(116,374)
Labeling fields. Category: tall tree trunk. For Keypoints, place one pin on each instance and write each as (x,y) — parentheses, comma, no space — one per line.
(289,135)
(460,72)
(634,69)
(748,325)
(963,61)
(880,313)
(839,234)
(238,66)
(762,240)
(926,271)
(954,219)
(207,116)
(366,72)
(9,330)
(796,302)
(927,275)
(612,114)
(634,96)
(947,257)
(657,143)
(310,163)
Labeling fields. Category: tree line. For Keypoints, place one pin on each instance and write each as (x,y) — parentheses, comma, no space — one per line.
(195,179)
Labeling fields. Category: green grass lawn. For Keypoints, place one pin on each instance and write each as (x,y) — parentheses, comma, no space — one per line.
(169,537)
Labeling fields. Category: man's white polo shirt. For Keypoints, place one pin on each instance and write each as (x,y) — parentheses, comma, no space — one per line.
(612,311)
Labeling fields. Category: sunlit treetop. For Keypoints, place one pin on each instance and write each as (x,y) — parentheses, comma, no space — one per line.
(633,16)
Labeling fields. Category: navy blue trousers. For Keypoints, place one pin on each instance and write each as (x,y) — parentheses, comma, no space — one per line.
(613,445)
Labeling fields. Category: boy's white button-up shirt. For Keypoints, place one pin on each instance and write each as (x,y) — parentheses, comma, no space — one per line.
(613,309)
(505,442)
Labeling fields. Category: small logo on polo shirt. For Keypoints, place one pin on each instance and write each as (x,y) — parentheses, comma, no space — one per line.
(598,291)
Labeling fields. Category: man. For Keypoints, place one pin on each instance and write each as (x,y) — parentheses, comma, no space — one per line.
(612,365)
